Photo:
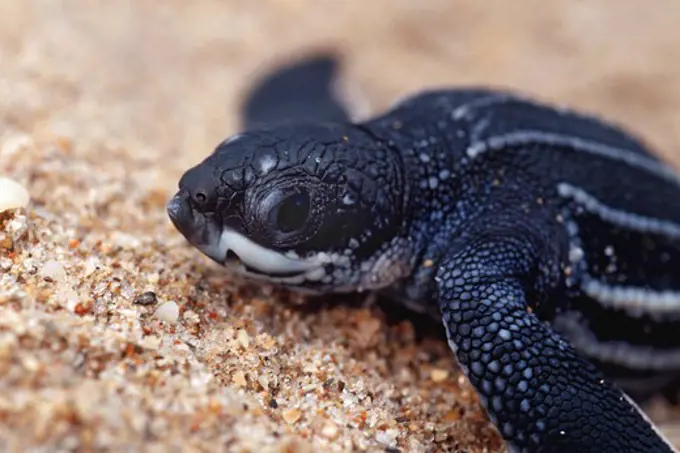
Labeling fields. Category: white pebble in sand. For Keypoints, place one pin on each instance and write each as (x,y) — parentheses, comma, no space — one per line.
(12,195)
(168,312)
(53,270)
(15,145)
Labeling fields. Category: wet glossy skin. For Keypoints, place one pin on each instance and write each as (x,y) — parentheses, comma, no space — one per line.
(506,219)
(295,210)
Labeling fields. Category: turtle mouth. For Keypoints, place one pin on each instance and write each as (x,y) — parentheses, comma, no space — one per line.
(231,248)
(234,246)
(233,260)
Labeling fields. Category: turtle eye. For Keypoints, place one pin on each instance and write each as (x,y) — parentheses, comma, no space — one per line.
(291,213)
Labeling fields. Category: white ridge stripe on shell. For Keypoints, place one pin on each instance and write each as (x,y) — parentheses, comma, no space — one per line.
(636,301)
(623,219)
(528,137)
(482,101)
(617,352)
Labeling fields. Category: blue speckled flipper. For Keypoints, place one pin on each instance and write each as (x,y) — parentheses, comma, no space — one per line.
(540,393)
(296,92)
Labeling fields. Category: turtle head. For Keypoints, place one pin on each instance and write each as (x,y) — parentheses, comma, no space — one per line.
(315,207)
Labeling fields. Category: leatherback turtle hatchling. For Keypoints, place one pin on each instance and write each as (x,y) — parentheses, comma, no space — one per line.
(547,241)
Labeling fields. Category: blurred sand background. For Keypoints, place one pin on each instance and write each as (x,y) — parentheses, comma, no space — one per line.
(103,105)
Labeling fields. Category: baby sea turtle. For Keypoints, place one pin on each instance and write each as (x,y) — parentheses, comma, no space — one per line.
(546,241)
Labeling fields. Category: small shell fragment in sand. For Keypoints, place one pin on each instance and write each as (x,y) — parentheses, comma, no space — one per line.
(291,416)
(53,271)
(439,375)
(5,264)
(330,430)
(12,195)
(240,379)
(14,145)
(168,312)
(243,338)
(263,380)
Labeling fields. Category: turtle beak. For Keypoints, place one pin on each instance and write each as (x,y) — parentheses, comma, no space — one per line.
(180,212)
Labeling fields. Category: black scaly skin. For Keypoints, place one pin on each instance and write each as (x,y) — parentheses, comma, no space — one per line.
(501,250)
(300,91)
(500,216)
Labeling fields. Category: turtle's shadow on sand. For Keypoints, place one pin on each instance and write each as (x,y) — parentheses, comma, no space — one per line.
(391,311)
(425,327)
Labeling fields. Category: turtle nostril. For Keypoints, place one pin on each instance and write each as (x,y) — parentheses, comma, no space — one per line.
(200,197)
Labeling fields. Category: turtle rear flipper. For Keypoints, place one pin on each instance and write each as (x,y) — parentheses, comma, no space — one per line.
(295,92)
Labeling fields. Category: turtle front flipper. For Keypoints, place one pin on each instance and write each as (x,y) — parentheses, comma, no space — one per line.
(541,395)
(295,92)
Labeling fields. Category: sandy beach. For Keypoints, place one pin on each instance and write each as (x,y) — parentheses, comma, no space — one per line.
(117,336)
